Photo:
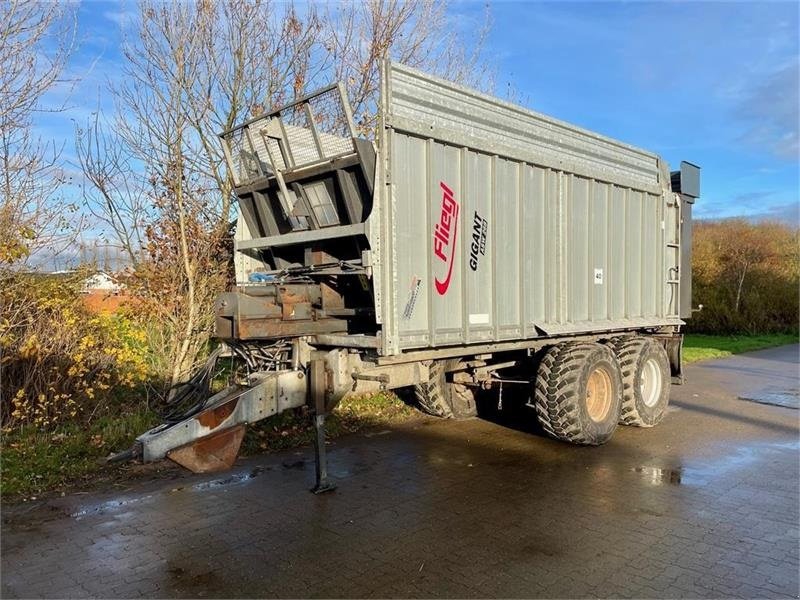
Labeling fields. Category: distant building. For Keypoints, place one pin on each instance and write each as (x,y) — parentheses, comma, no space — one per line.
(102,282)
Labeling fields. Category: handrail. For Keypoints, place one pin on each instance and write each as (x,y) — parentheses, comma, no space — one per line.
(280,109)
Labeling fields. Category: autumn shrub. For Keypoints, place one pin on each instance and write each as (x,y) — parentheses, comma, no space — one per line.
(59,361)
(746,276)
(184,266)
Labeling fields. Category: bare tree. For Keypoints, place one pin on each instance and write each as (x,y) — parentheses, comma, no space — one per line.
(113,192)
(193,70)
(418,33)
(196,69)
(30,174)
(180,278)
(250,54)
(255,54)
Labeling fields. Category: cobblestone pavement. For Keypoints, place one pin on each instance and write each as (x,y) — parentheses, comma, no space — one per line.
(704,505)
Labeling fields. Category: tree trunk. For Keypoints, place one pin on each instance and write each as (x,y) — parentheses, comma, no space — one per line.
(739,288)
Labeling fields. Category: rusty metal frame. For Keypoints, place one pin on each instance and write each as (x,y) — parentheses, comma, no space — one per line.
(267,394)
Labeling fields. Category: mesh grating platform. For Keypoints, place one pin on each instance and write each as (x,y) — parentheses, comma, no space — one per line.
(313,129)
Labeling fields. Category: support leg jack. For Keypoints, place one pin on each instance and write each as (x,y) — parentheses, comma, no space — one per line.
(323,483)
(317,382)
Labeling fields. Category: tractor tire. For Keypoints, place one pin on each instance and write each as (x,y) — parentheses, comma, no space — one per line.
(578,393)
(645,380)
(442,398)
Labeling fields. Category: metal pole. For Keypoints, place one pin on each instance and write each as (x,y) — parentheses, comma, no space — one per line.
(317,383)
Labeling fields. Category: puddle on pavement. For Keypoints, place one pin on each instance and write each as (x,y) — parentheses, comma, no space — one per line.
(114,505)
(657,476)
(101,508)
(701,472)
(216,483)
(343,471)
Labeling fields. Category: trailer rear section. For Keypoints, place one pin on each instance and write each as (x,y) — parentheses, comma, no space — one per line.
(475,245)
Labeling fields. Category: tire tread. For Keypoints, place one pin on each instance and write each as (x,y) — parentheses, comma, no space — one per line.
(556,391)
(628,350)
(430,396)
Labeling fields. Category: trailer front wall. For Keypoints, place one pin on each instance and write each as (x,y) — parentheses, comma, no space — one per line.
(492,241)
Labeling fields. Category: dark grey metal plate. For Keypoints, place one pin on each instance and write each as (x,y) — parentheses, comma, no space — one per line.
(775,397)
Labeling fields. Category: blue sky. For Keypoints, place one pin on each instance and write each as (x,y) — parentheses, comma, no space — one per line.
(712,83)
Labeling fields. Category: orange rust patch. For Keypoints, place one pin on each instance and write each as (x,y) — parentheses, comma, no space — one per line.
(215,452)
(214,417)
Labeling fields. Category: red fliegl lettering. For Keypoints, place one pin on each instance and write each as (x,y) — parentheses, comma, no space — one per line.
(447,227)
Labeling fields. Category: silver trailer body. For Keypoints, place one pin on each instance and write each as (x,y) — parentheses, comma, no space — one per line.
(497,223)
(476,244)
(486,222)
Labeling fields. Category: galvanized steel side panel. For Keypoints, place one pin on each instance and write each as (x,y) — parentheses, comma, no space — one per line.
(412,266)
(432,107)
(491,247)
(480,287)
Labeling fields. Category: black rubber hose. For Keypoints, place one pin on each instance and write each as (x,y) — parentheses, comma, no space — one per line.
(123,456)
(187,398)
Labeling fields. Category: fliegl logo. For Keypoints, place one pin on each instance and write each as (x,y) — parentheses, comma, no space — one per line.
(445,233)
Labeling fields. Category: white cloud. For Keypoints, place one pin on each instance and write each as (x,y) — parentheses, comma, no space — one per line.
(771,112)
(122,18)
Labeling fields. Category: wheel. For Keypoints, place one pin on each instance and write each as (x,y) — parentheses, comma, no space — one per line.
(645,380)
(578,393)
(442,398)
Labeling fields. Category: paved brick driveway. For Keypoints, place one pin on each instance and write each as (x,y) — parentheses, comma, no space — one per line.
(705,505)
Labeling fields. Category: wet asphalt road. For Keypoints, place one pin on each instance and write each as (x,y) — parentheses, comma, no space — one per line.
(707,504)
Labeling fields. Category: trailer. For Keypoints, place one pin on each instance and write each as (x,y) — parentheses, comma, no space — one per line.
(475,244)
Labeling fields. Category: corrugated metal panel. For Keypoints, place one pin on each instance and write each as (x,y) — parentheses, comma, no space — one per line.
(432,107)
(493,246)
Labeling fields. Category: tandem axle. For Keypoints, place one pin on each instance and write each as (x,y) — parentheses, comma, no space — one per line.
(208,438)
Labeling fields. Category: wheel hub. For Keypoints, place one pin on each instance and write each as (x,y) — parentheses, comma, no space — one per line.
(650,384)
(598,394)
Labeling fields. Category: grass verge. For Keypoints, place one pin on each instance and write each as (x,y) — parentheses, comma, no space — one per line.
(35,463)
(703,347)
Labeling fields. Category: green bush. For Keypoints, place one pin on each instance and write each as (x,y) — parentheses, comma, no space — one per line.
(58,360)
(746,276)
